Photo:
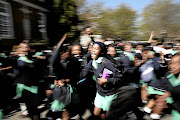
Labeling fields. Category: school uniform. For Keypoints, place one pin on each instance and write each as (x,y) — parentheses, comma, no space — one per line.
(87,56)
(69,69)
(6,87)
(27,81)
(61,101)
(2,92)
(172,84)
(130,71)
(61,97)
(107,92)
(83,88)
(74,68)
(155,86)
(57,66)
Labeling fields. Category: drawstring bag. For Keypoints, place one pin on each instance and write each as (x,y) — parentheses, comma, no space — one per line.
(62,97)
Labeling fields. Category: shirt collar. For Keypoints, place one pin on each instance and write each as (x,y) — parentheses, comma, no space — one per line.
(170,75)
(99,60)
(96,62)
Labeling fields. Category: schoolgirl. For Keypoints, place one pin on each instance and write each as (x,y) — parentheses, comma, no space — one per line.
(171,83)
(83,88)
(61,89)
(127,62)
(106,87)
(114,57)
(28,78)
(67,66)
(151,73)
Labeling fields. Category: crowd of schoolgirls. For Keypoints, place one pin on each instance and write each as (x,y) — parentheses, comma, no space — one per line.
(99,78)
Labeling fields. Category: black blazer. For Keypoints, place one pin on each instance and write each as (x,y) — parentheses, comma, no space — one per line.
(113,83)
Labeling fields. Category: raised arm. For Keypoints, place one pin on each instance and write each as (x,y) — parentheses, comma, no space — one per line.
(56,51)
(151,37)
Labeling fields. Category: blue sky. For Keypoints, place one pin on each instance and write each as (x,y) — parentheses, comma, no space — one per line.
(135,4)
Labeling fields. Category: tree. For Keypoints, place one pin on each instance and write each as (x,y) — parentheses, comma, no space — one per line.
(161,15)
(125,22)
(64,19)
(118,22)
(89,14)
(110,23)
(105,25)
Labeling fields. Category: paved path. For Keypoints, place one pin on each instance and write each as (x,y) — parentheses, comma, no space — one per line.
(17,116)
(87,114)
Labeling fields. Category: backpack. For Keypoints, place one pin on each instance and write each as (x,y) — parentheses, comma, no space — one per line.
(147,71)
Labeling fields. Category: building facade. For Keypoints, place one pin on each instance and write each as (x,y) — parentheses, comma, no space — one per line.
(22,20)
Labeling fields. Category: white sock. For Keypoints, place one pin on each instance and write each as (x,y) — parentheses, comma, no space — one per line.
(25,112)
(144,101)
(58,119)
(146,109)
(155,116)
(23,108)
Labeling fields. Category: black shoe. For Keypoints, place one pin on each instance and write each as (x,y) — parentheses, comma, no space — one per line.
(81,118)
(145,113)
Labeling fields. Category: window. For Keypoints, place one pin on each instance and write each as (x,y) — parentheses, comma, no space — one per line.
(42,25)
(5,20)
(6,24)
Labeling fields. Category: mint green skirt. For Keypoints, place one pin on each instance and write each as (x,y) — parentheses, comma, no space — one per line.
(1,114)
(151,90)
(104,102)
(175,115)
